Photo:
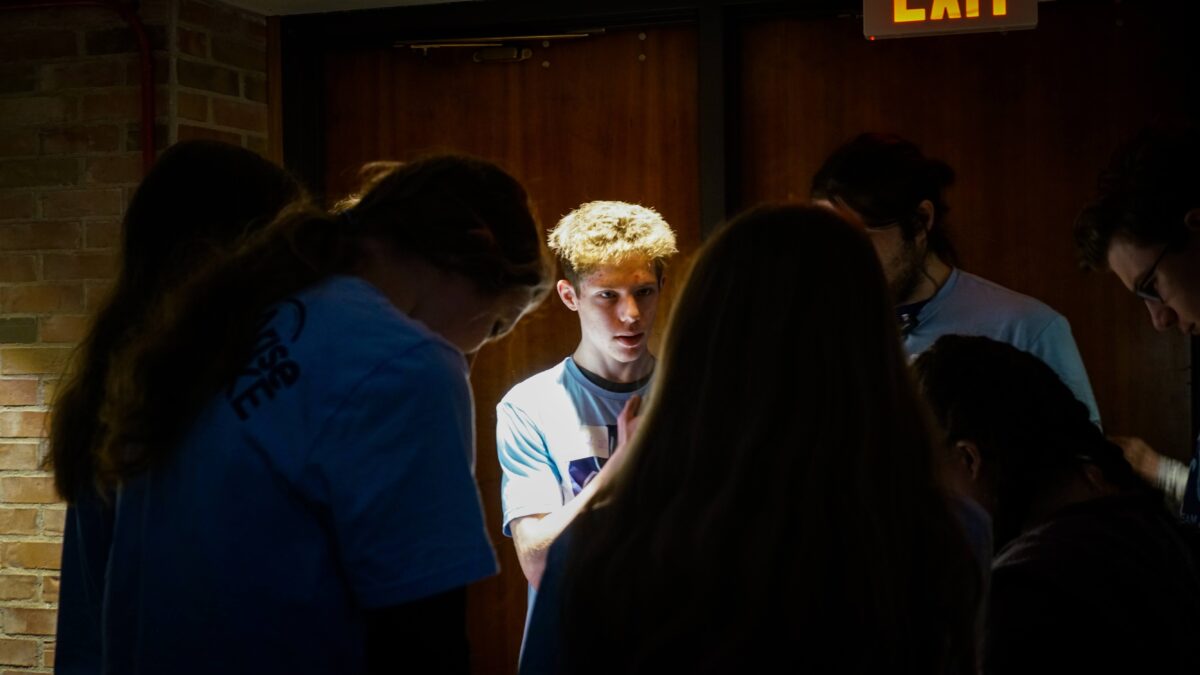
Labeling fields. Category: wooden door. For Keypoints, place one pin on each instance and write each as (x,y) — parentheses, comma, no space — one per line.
(1027,119)
(611,116)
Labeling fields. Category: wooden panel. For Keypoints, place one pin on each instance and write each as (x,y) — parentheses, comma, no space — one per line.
(581,120)
(1027,119)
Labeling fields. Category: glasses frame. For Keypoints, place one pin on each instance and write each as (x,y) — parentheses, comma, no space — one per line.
(1144,288)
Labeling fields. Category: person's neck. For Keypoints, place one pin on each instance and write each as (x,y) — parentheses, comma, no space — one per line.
(593,360)
(933,277)
(1075,488)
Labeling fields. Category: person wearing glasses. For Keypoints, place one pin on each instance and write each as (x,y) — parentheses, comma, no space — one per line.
(1143,228)
(888,186)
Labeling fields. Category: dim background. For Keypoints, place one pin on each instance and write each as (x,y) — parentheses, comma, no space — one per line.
(694,109)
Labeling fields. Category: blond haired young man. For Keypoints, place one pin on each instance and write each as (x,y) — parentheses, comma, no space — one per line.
(556,430)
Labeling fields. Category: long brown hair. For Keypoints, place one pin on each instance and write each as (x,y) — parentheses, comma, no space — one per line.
(780,505)
(462,214)
(198,200)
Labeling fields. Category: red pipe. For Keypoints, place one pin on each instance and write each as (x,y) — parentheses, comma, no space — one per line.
(145,57)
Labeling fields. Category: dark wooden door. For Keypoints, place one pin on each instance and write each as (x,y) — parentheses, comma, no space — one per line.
(1027,119)
(606,117)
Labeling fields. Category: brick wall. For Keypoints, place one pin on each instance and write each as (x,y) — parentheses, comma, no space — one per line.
(69,161)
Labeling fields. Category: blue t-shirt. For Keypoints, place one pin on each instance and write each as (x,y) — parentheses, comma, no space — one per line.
(970,305)
(333,475)
(553,433)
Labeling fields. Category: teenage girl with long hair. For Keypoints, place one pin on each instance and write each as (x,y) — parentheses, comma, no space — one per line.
(291,445)
(778,509)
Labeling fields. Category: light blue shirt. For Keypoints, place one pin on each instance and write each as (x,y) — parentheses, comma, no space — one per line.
(970,305)
(553,433)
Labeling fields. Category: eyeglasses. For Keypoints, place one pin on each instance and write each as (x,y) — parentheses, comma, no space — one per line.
(1144,288)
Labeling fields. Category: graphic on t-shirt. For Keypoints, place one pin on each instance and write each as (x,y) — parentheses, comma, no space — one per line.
(269,368)
(582,471)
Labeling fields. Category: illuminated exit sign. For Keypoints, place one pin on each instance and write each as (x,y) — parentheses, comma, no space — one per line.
(905,18)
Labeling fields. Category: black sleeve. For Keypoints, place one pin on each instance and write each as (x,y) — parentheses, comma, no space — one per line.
(426,635)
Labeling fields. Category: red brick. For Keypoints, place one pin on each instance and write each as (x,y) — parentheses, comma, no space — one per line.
(18,521)
(18,330)
(81,139)
(160,70)
(215,18)
(43,235)
(22,424)
(24,173)
(33,360)
(16,392)
(56,266)
(50,588)
(28,490)
(69,203)
(15,112)
(49,389)
(207,77)
(254,28)
(19,586)
(64,328)
(254,88)
(96,294)
(122,103)
(102,234)
(41,299)
(18,652)
(257,144)
(17,268)
(188,132)
(121,40)
(65,17)
(191,106)
(54,521)
(192,42)
(239,54)
(18,78)
(133,136)
(198,13)
(92,73)
(114,169)
(17,205)
(28,621)
(37,45)
(18,142)
(19,456)
(248,116)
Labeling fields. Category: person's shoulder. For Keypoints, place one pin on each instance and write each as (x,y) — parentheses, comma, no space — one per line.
(1003,296)
(995,309)
(353,325)
(538,388)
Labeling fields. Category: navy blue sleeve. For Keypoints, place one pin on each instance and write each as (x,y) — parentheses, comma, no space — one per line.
(542,651)
(87,537)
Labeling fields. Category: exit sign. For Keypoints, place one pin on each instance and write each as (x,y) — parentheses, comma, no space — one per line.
(906,18)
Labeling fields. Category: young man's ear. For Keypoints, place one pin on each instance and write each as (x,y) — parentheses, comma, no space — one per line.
(566,293)
(1192,220)
(925,216)
(969,458)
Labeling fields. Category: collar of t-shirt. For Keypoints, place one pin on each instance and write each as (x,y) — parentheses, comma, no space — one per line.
(908,316)
(609,385)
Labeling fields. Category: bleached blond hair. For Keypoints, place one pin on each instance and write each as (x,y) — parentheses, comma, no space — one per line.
(610,233)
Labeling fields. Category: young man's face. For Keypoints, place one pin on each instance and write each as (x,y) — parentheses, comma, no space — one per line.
(1176,280)
(616,306)
(901,258)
